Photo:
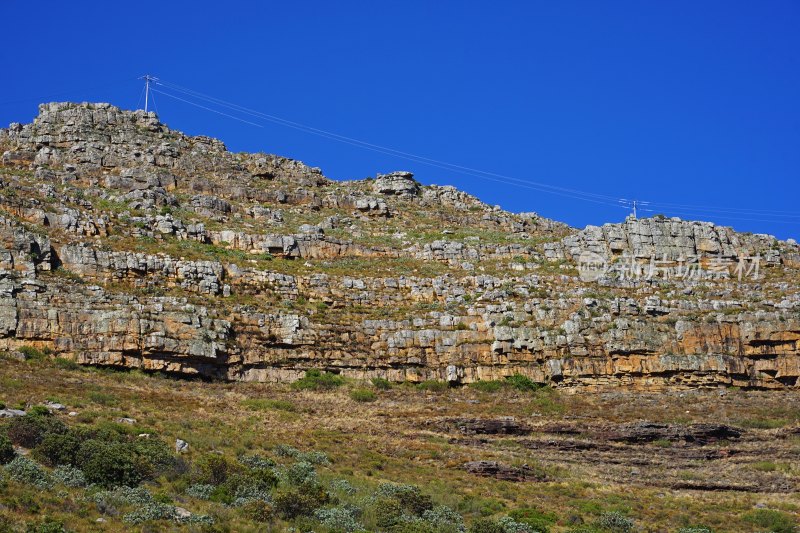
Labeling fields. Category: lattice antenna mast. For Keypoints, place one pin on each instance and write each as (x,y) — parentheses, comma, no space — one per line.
(148,79)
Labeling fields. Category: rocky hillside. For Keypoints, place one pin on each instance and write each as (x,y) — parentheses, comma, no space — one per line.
(126,243)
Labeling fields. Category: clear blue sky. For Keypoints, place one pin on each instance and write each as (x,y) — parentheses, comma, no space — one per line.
(679,102)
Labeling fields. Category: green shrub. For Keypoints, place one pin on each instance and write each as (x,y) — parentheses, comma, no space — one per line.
(381,384)
(433,386)
(316,380)
(285,450)
(773,521)
(503,525)
(58,449)
(258,511)
(201,491)
(299,473)
(486,525)
(444,520)
(39,410)
(23,470)
(363,395)
(214,469)
(256,462)
(314,457)
(150,511)
(7,453)
(255,484)
(342,519)
(615,522)
(31,352)
(534,518)
(487,386)
(28,431)
(411,499)
(69,476)
(388,513)
(522,383)
(48,525)
(66,364)
(111,464)
(155,457)
(300,500)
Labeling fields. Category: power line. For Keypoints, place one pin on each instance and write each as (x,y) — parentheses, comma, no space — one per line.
(372,146)
(207,108)
(603,199)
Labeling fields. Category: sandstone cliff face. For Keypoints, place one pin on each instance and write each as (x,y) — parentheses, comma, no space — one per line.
(127,244)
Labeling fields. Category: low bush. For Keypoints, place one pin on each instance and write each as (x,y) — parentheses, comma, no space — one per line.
(69,476)
(155,457)
(58,449)
(486,525)
(111,464)
(771,520)
(23,470)
(363,395)
(316,380)
(299,473)
(300,500)
(388,513)
(433,385)
(503,525)
(381,384)
(66,364)
(30,430)
(487,386)
(47,525)
(259,511)
(410,498)
(615,522)
(150,511)
(214,469)
(201,491)
(444,520)
(534,518)
(256,462)
(7,452)
(313,457)
(33,353)
(255,484)
(522,383)
(342,519)
(285,450)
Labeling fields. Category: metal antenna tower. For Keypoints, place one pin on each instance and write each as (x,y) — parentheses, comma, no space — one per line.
(148,79)
(633,205)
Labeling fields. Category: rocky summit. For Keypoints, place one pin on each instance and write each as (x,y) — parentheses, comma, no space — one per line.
(128,244)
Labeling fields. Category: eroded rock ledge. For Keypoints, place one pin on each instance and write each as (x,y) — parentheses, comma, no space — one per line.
(127,244)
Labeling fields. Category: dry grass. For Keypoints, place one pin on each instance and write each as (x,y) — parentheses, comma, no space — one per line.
(395,438)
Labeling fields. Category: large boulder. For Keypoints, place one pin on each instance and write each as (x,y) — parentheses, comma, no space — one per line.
(396,184)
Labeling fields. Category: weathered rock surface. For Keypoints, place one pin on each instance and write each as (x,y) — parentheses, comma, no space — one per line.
(125,243)
(505,472)
(649,432)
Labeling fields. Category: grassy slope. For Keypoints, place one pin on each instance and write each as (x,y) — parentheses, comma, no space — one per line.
(388,440)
